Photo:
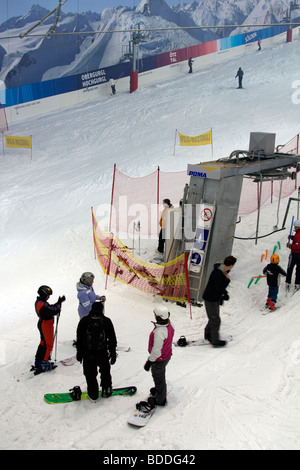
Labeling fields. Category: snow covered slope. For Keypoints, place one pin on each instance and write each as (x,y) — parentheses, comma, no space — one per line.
(245,396)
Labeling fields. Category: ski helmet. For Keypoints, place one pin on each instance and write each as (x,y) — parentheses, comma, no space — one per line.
(274,259)
(87,278)
(44,291)
(162,312)
(297,224)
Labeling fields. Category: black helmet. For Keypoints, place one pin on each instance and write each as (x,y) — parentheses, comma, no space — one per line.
(44,291)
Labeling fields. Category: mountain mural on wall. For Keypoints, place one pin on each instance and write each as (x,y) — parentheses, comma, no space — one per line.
(37,58)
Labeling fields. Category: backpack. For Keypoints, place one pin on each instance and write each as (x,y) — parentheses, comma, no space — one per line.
(95,338)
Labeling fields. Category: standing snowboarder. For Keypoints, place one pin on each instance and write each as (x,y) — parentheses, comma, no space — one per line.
(46,314)
(273,270)
(259,44)
(240,74)
(214,295)
(96,347)
(294,258)
(160,350)
(86,294)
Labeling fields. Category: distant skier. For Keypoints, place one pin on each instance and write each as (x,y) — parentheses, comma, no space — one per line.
(259,44)
(240,74)
(190,62)
(160,350)
(96,347)
(294,258)
(214,295)
(46,314)
(113,85)
(86,294)
(273,271)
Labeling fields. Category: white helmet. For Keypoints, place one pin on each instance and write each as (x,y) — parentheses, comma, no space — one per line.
(297,223)
(161,311)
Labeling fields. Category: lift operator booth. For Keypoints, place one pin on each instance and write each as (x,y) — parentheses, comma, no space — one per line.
(204,224)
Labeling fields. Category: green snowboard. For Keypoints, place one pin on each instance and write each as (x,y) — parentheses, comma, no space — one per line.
(67,398)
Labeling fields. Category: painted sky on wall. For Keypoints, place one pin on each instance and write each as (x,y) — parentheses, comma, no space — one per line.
(11,8)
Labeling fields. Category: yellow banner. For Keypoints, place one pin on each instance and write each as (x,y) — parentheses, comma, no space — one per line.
(202,139)
(15,141)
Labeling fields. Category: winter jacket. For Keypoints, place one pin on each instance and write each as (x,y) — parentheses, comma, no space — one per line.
(216,287)
(160,342)
(86,296)
(295,248)
(110,336)
(46,311)
(273,271)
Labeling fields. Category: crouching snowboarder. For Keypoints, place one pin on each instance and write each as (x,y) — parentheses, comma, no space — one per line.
(96,348)
(46,314)
(160,350)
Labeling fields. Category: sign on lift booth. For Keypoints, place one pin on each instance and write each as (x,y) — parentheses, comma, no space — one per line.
(203,230)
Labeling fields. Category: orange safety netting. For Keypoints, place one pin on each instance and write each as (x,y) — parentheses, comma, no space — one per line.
(168,280)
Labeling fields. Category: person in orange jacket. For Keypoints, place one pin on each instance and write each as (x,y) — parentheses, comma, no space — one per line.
(162,223)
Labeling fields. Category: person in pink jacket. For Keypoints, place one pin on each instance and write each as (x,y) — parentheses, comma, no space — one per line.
(160,352)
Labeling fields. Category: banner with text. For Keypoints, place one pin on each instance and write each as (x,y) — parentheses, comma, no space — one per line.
(202,139)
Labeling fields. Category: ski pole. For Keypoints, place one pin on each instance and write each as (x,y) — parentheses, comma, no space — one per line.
(291,229)
(55,335)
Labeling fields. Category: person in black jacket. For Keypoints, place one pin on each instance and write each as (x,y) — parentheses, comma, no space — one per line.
(96,347)
(214,295)
(240,74)
(273,270)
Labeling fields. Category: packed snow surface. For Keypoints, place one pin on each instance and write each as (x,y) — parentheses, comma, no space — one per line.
(244,396)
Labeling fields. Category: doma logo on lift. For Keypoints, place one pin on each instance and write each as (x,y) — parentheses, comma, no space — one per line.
(198,173)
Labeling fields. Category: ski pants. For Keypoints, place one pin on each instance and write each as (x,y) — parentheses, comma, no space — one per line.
(46,329)
(273,293)
(90,370)
(294,260)
(158,371)
(161,240)
(211,332)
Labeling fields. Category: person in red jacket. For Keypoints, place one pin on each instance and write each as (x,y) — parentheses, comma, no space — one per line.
(294,258)
(46,314)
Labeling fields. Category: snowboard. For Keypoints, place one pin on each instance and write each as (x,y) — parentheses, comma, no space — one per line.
(54,398)
(139,419)
(201,342)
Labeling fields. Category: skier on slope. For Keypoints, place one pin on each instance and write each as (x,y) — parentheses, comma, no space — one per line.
(214,295)
(240,74)
(46,314)
(294,258)
(86,294)
(160,350)
(273,271)
(96,347)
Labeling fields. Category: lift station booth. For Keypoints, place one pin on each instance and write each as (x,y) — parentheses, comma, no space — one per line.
(204,224)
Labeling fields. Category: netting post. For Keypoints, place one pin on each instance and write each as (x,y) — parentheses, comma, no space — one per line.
(157,200)
(186,268)
(111,235)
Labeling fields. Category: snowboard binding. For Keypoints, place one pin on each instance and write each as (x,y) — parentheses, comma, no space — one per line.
(75,393)
(182,341)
